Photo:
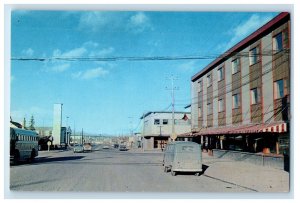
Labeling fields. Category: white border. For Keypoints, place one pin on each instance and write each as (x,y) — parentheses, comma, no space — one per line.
(117,5)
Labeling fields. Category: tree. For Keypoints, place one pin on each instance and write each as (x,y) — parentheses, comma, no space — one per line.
(31,127)
(24,123)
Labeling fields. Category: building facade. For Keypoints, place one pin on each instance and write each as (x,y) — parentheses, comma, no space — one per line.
(157,128)
(241,100)
(57,124)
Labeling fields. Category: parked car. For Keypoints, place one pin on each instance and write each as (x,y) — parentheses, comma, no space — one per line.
(182,156)
(105,147)
(87,147)
(78,148)
(122,148)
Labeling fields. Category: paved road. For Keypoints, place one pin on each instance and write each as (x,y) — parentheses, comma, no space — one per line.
(109,171)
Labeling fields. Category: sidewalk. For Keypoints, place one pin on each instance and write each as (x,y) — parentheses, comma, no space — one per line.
(258,178)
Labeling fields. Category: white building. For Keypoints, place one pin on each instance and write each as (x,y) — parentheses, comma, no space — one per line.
(57,119)
(157,127)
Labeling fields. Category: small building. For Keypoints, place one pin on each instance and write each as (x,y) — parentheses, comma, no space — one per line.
(157,128)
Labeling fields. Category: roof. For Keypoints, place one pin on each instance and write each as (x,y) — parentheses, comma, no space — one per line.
(262,31)
(154,112)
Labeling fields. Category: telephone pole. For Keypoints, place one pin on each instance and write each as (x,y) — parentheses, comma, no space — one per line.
(173,88)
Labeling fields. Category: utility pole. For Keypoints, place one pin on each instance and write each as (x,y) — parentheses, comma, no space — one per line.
(67,133)
(160,126)
(82,136)
(172,78)
(74,135)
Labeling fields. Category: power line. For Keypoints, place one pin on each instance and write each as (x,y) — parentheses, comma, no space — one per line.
(145,58)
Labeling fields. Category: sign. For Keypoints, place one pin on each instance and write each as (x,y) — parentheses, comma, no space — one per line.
(173,136)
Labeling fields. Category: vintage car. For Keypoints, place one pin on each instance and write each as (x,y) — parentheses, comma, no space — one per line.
(122,148)
(183,156)
(87,147)
(77,148)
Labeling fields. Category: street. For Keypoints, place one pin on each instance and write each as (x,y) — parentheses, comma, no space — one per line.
(110,170)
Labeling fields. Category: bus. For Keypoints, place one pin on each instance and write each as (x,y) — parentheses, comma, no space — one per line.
(23,145)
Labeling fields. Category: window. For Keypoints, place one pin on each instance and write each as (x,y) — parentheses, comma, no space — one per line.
(278,89)
(199,112)
(165,121)
(235,66)
(209,110)
(255,96)
(220,74)
(221,105)
(156,122)
(235,101)
(200,86)
(277,43)
(209,80)
(253,56)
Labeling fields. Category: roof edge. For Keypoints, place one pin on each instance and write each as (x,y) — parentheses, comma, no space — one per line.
(276,21)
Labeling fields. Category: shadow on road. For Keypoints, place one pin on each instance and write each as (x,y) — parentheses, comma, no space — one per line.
(41,160)
(57,159)
(204,167)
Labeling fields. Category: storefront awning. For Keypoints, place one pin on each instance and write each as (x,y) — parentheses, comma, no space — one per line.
(244,129)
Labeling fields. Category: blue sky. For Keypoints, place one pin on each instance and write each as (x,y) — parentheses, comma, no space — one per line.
(109,97)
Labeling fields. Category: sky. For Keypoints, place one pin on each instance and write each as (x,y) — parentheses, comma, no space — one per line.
(109,96)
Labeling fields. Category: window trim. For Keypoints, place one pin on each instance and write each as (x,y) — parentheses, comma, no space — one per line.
(258,100)
(155,122)
(238,102)
(163,122)
(237,66)
(274,39)
(220,69)
(199,112)
(276,89)
(219,110)
(210,80)
(209,109)
(256,55)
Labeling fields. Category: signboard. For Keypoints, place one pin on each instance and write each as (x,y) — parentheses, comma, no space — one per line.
(173,136)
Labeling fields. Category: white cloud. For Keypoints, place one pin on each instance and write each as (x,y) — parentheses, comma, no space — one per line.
(139,22)
(27,52)
(60,68)
(243,30)
(96,20)
(77,52)
(138,19)
(122,21)
(90,74)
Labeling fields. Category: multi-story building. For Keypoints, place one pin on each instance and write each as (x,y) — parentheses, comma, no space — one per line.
(241,100)
(157,127)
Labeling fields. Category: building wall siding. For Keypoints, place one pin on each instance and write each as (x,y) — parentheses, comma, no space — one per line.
(245,92)
(204,83)
(267,78)
(194,105)
(281,70)
(215,97)
(228,76)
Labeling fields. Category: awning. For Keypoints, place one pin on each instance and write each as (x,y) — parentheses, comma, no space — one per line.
(244,129)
